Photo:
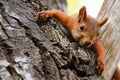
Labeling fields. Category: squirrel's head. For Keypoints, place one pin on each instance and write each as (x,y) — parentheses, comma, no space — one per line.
(86,30)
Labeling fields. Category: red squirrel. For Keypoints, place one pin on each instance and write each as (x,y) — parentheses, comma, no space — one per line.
(83,28)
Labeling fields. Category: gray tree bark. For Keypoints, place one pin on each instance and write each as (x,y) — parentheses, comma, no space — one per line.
(31,50)
(110,35)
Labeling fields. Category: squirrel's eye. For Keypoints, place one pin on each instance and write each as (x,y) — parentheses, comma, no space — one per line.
(98,34)
(81,27)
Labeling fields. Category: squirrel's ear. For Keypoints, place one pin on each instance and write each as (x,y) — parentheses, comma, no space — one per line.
(103,21)
(82,14)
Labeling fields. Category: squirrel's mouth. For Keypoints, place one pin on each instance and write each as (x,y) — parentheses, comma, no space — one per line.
(86,44)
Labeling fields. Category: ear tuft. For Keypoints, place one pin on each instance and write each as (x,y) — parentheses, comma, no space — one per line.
(103,21)
(82,14)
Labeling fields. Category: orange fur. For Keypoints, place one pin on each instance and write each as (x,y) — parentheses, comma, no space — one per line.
(59,15)
(83,28)
(116,75)
(99,49)
(103,21)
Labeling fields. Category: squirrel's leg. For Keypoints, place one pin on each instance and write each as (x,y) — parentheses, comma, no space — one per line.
(65,20)
(99,49)
(116,75)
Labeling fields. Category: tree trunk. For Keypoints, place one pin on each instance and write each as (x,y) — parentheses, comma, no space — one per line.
(40,51)
(110,35)
(31,51)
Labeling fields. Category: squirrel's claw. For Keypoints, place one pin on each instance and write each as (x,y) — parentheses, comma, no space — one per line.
(100,67)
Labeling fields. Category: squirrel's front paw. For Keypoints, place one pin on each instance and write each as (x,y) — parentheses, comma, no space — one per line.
(100,66)
(42,15)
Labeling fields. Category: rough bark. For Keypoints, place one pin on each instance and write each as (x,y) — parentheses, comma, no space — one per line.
(111,35)
(55,4)
(31,50)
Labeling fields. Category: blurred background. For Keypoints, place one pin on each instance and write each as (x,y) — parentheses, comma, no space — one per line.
(93,8)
